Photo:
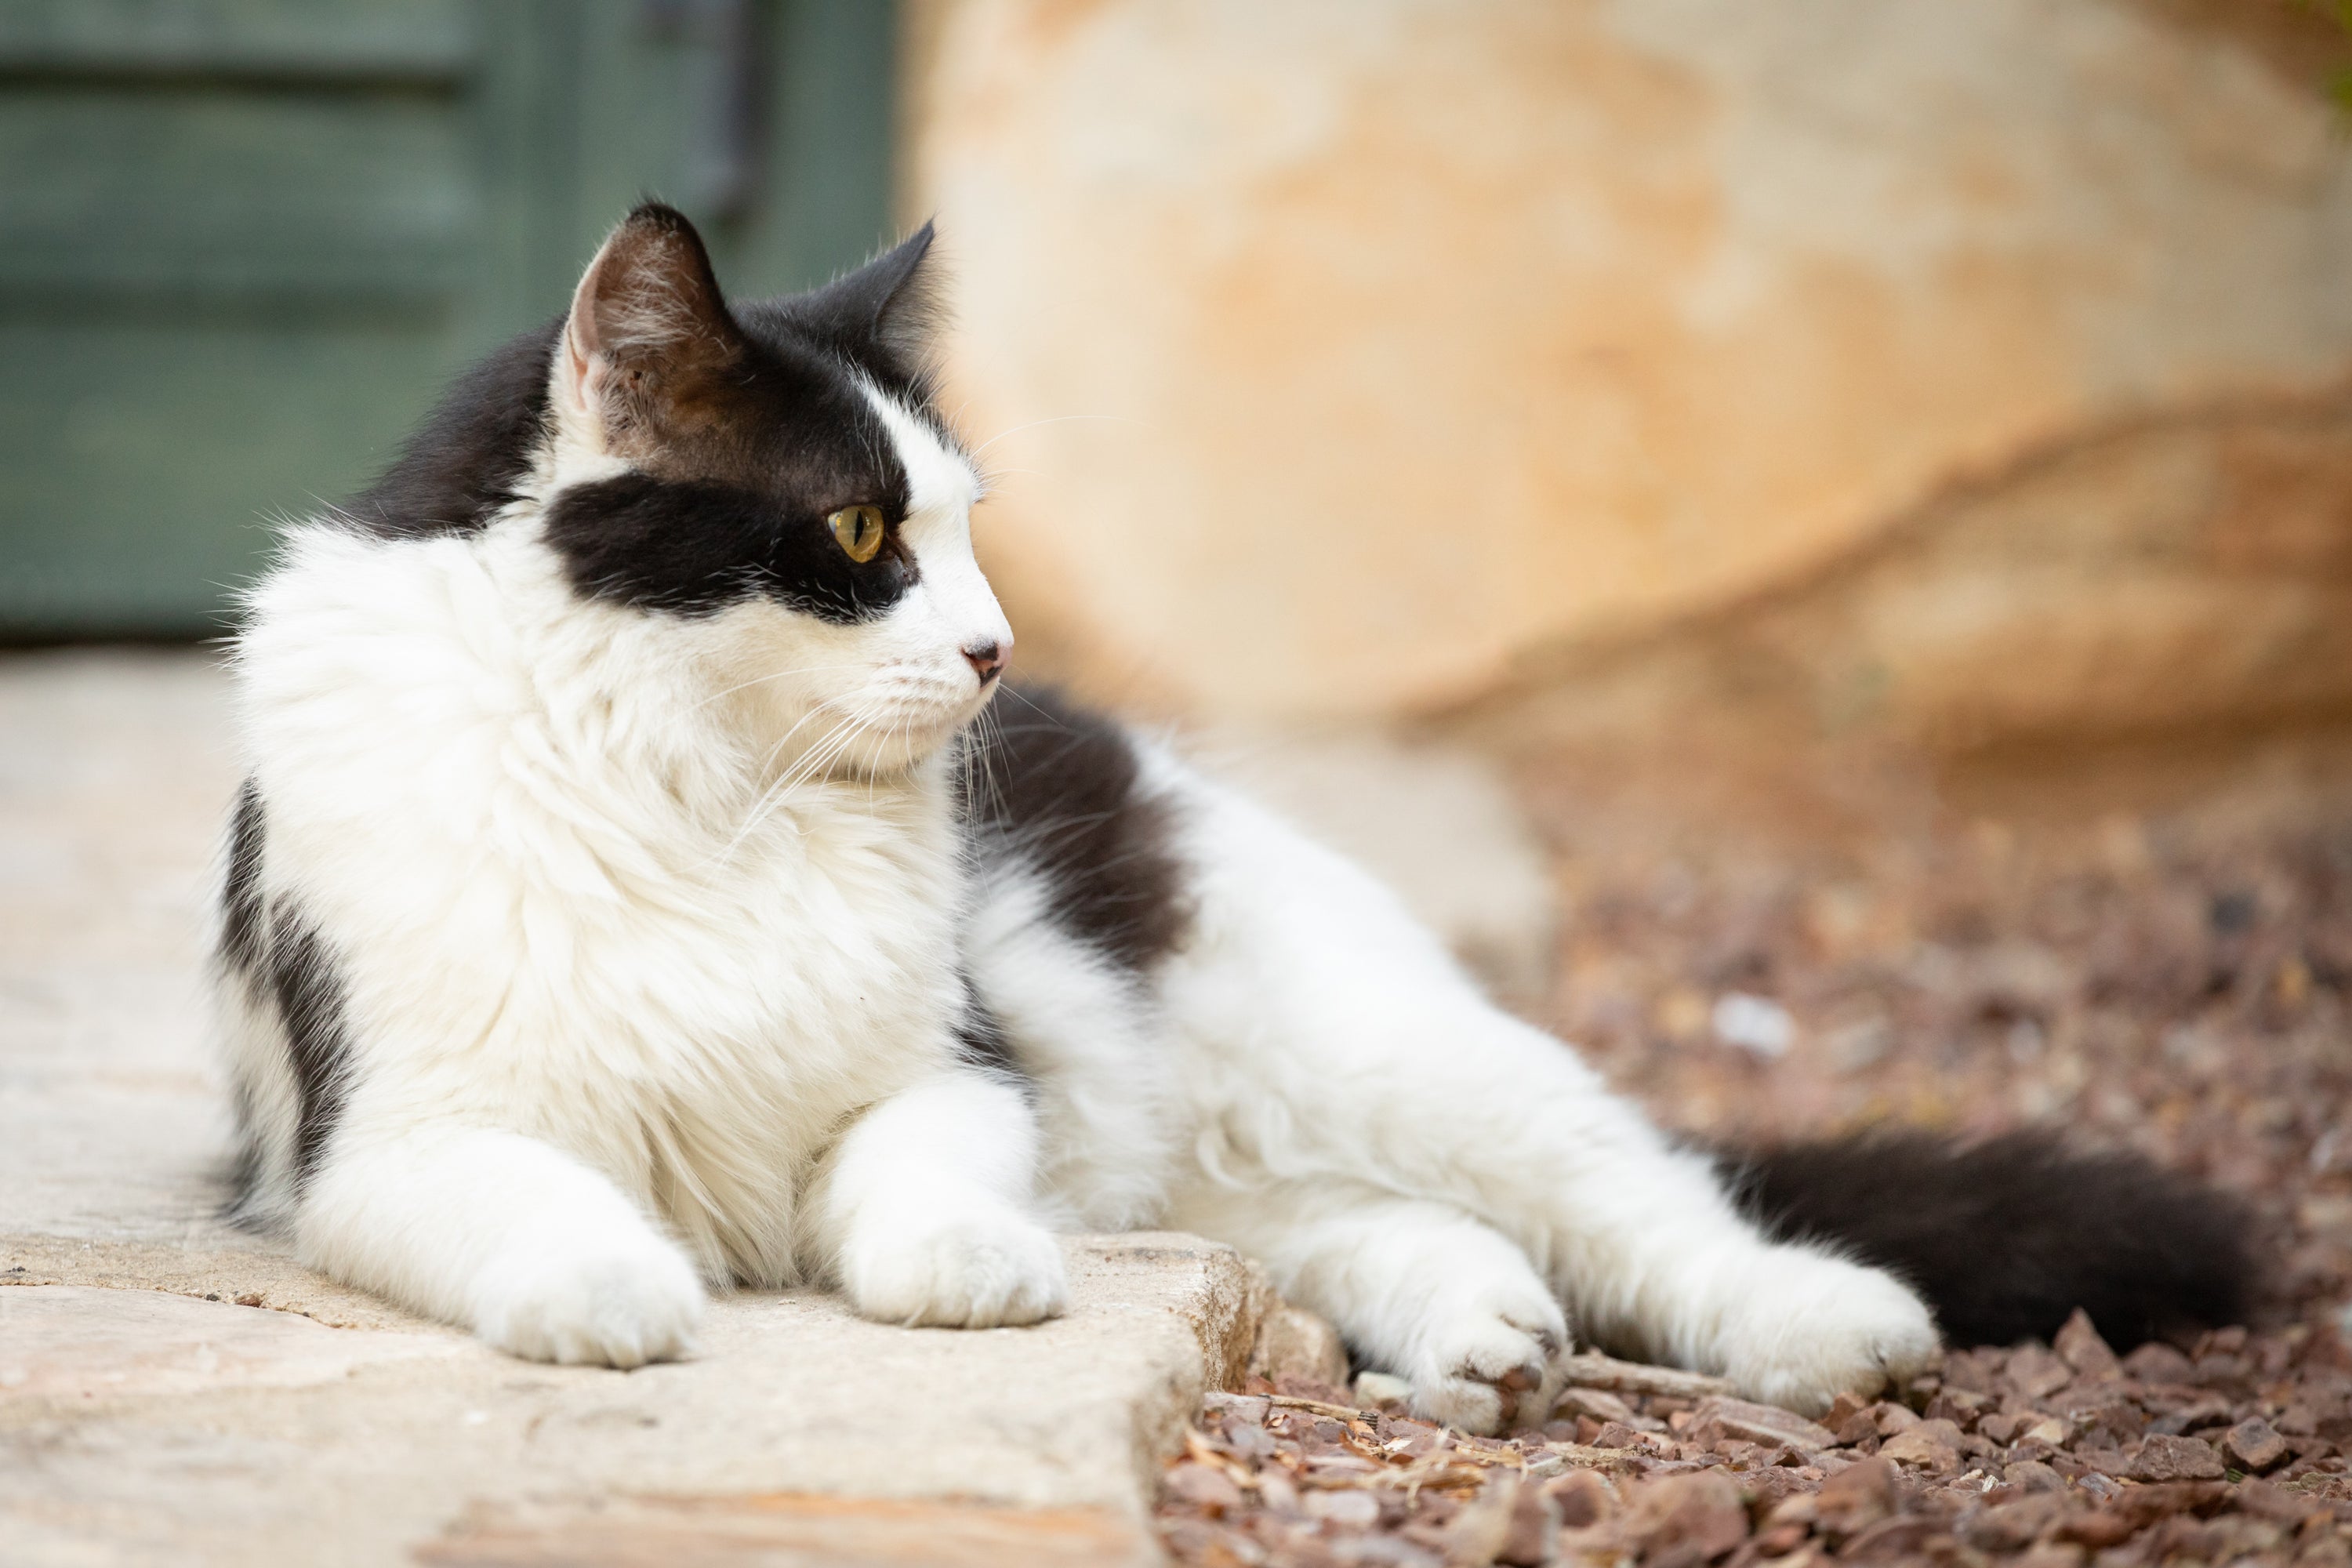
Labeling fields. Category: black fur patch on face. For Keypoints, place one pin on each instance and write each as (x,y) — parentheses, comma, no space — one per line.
(309,995)
(695,547)
(1059,790)
(240,913)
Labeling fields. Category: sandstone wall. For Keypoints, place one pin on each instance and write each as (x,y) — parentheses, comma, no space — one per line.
(1366,358)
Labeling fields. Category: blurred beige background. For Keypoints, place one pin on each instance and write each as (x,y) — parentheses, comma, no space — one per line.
(1968,371)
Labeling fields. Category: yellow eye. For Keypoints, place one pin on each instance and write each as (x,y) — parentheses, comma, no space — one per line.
(859,531)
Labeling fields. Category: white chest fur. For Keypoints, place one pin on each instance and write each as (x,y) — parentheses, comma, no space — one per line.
(601,923)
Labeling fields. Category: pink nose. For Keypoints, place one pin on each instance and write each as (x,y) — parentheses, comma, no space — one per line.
(988,658)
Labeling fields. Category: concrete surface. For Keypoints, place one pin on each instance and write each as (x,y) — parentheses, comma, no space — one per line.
(138,1426)
(145,1415)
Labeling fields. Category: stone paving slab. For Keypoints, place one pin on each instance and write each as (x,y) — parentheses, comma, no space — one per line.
(144,1427)
(145,1415)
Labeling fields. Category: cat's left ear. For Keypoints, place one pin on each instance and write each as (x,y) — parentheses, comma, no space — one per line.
(647,326)
(891,303)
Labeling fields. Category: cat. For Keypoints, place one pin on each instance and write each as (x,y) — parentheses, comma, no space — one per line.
(642,885)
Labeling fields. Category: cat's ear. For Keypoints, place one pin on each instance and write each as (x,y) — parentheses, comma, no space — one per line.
(648,322)
(891,303)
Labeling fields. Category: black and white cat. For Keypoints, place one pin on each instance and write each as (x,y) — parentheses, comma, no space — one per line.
(624,903)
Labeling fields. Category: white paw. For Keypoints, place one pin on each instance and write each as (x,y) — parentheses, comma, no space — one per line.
(1490,1359)
(1809,1328)
(981,1269)
(613,1303)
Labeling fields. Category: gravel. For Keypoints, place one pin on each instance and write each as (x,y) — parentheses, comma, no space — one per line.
(2232,1448)
(2175,982)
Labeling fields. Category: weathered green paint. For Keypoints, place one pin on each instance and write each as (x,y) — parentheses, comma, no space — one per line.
(242,242)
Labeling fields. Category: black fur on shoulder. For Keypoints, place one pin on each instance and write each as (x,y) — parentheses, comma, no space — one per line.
(1059,789)
(981,1042)
(462,463)
(240,911)
(288,965)
(308,991)
(2007,1236)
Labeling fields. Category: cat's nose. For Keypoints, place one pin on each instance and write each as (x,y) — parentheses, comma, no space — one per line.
(988,658)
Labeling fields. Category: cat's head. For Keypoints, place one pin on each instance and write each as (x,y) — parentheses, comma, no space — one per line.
(772,486)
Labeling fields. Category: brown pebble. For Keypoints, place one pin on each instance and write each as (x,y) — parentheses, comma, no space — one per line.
(2054,1430)
(1535,1523)
(1960,1407)
(1842,1408)
(1856,1427)
(2156,1361)
(2277,1504)
(1598,1402)
(2254,1444)
(2167,1458)
(2078,1344)
(1583,1496)
(2013,1525)
(1616,1435)
(1856,1498)
(1202,1485)
(2142,1505)
(1766,1424)
(1698,1515)
(2038,1372)
(2033,1476)
(1250,1408)
(2106,1461)
(1891,1541)
(1924,1448)
(2096,1528)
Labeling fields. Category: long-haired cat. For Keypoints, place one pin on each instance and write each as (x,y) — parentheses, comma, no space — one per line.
(624,903)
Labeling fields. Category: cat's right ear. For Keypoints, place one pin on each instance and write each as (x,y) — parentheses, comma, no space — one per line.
(647,326)
(891,303)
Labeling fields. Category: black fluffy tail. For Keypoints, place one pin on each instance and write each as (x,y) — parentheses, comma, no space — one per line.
(2006,1237)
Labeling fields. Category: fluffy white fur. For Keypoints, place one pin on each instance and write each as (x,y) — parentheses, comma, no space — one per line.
(653,932)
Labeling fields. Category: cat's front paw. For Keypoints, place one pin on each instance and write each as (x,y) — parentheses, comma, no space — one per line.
(1492,1360)
(1811,1328)
(616,1304)
(978,1270)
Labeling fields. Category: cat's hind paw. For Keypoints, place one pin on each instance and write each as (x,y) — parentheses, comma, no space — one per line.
(1814,1327)
(619,1304)
(994,1268)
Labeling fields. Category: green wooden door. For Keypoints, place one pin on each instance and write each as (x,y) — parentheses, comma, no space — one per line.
(242,242)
